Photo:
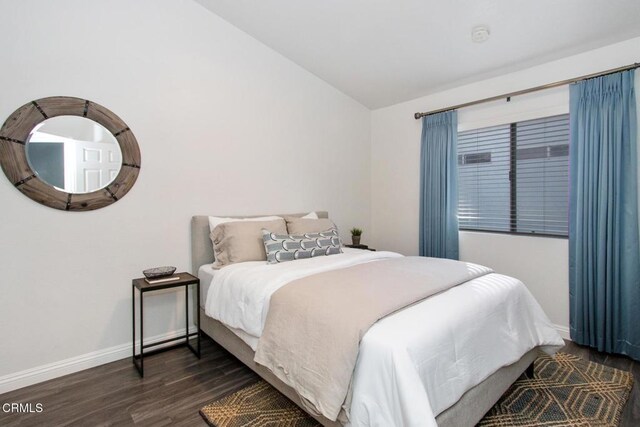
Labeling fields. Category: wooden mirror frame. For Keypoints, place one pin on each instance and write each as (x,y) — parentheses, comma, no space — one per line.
(13,156)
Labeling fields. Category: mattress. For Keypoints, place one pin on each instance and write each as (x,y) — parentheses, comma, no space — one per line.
(206,274)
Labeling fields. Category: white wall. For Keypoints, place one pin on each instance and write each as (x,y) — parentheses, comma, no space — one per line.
(225,126)
(541,263)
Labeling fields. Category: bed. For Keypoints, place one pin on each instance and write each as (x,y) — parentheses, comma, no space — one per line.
(467,409)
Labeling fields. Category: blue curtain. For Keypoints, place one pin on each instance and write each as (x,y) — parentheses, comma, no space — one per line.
(439,186)
(604,255)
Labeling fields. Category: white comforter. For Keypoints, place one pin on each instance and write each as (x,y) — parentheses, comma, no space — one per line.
(417,362)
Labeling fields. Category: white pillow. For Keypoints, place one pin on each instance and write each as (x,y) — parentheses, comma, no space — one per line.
(214,221)
(217,220)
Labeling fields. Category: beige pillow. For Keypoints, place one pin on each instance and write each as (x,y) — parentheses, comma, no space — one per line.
(241,241)
(305,225)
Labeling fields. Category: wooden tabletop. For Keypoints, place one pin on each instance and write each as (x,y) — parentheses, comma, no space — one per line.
(184,279)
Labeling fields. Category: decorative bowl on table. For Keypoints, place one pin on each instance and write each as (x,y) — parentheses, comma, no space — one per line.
(157,272)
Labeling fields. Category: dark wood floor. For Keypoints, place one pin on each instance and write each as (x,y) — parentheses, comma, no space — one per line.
(177,385)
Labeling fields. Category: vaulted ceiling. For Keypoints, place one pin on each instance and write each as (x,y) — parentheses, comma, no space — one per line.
(381,52)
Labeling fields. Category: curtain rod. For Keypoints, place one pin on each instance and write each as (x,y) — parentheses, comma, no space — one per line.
(533,89)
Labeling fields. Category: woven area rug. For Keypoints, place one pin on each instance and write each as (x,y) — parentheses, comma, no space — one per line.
(565,391)
(256,405)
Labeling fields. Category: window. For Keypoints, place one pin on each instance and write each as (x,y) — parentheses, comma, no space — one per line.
(514,178)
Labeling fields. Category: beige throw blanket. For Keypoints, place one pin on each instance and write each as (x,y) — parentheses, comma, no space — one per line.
(314,325)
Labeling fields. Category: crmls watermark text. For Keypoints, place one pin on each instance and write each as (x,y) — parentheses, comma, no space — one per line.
(22,407)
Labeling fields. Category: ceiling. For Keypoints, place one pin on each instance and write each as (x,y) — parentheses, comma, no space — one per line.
(381,52)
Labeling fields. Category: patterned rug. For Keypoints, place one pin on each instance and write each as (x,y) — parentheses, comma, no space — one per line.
(565,391)
(256,405)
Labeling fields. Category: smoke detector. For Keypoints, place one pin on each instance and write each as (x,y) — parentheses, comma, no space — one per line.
(480,33)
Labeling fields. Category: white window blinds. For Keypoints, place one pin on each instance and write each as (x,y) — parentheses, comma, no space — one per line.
(514,178)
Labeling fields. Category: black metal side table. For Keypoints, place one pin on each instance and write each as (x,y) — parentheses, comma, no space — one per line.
(184,280)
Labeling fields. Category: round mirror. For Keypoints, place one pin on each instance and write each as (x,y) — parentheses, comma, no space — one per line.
(69,153)
(73,154)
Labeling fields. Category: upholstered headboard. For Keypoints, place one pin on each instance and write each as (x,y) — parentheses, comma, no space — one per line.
(201,247)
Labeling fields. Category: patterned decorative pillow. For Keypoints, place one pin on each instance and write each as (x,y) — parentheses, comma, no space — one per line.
(289,247)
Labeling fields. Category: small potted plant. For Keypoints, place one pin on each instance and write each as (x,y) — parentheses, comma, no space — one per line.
(355,236)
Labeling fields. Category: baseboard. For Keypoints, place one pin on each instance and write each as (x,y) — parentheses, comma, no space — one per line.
(79,363)
(563,331)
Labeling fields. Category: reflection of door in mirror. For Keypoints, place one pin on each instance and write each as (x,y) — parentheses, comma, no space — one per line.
(92,158)
(97,164)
